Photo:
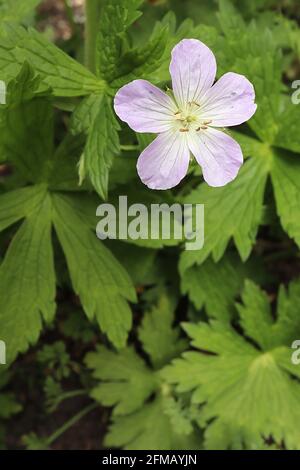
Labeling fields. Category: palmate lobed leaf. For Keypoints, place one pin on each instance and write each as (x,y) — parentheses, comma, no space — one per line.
(248,386)
(216,285)
(20,203)
(27,272)
(27,281)
(150,428)
(222,435)
(143,414)
(161,341)
(97,277)
(126,381)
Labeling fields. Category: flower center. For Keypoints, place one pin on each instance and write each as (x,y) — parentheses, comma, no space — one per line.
(189,118)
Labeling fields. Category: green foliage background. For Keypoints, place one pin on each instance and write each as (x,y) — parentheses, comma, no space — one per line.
(187,349)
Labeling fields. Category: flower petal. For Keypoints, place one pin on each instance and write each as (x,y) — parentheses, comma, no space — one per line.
(193,69)
(164,163)
(219,156)
(144,107)
(229,102)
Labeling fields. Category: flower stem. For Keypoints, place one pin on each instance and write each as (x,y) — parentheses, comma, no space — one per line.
(128,148)
(71,394)
(92,15)
(68,424)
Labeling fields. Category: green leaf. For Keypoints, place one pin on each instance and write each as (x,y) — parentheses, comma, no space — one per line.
(63,171)
(33,442)
(116,17)
(258,392)
(257,319)
(101,283)
(56,358)
(252,51)
(60,72)
(17,10)
(234,210)
(250,146)
(24,117)
(144,140)
(77,327)
(24,87)
(85,113)
(215,285)
(285,174)
(152,233)
(230,20)
(149,428)
(101,147)
(159,339)
(142,62)
(255,315)
(222,435)
(265,74)
(27,282)
(123,170)
(17,204)
(288,136)
(8,405)
(126,382)
(129,384)
(139,262)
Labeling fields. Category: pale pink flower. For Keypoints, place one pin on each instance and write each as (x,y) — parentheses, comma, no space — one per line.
(187,121)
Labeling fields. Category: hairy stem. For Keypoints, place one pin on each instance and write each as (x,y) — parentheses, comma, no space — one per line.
(68,424)
(92,14)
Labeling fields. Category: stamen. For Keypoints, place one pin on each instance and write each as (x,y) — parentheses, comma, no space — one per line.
(193,102)
(183,129)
